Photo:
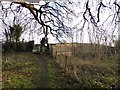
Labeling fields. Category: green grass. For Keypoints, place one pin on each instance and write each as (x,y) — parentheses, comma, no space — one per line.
(17,81)
(20,70)
(58,78)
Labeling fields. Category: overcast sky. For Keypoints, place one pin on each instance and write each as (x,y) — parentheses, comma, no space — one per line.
(78,7)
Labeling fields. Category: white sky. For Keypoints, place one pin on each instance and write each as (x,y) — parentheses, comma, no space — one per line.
(78,8)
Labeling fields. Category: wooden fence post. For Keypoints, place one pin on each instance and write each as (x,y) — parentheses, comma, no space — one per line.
(61,58)
(51,50)
(56,55)
(66,61)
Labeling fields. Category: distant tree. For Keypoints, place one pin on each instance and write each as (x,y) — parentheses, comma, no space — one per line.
(43,43)
(17,32)
(16,35)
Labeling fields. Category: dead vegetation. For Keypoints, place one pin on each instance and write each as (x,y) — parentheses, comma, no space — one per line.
(93,66)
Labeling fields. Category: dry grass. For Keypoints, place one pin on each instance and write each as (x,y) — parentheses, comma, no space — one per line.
(92,73)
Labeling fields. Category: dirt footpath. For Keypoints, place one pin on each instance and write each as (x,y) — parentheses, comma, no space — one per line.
(42,61)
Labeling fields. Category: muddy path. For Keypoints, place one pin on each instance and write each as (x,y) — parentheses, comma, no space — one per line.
(42,61)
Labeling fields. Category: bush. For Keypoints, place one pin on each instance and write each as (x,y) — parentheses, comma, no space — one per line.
(19,46)
(29,46)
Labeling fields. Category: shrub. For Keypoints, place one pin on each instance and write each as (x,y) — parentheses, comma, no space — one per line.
(19,46)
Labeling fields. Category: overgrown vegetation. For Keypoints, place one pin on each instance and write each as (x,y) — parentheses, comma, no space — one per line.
(20,70)
(26,70)
(59,79)
(92,66)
